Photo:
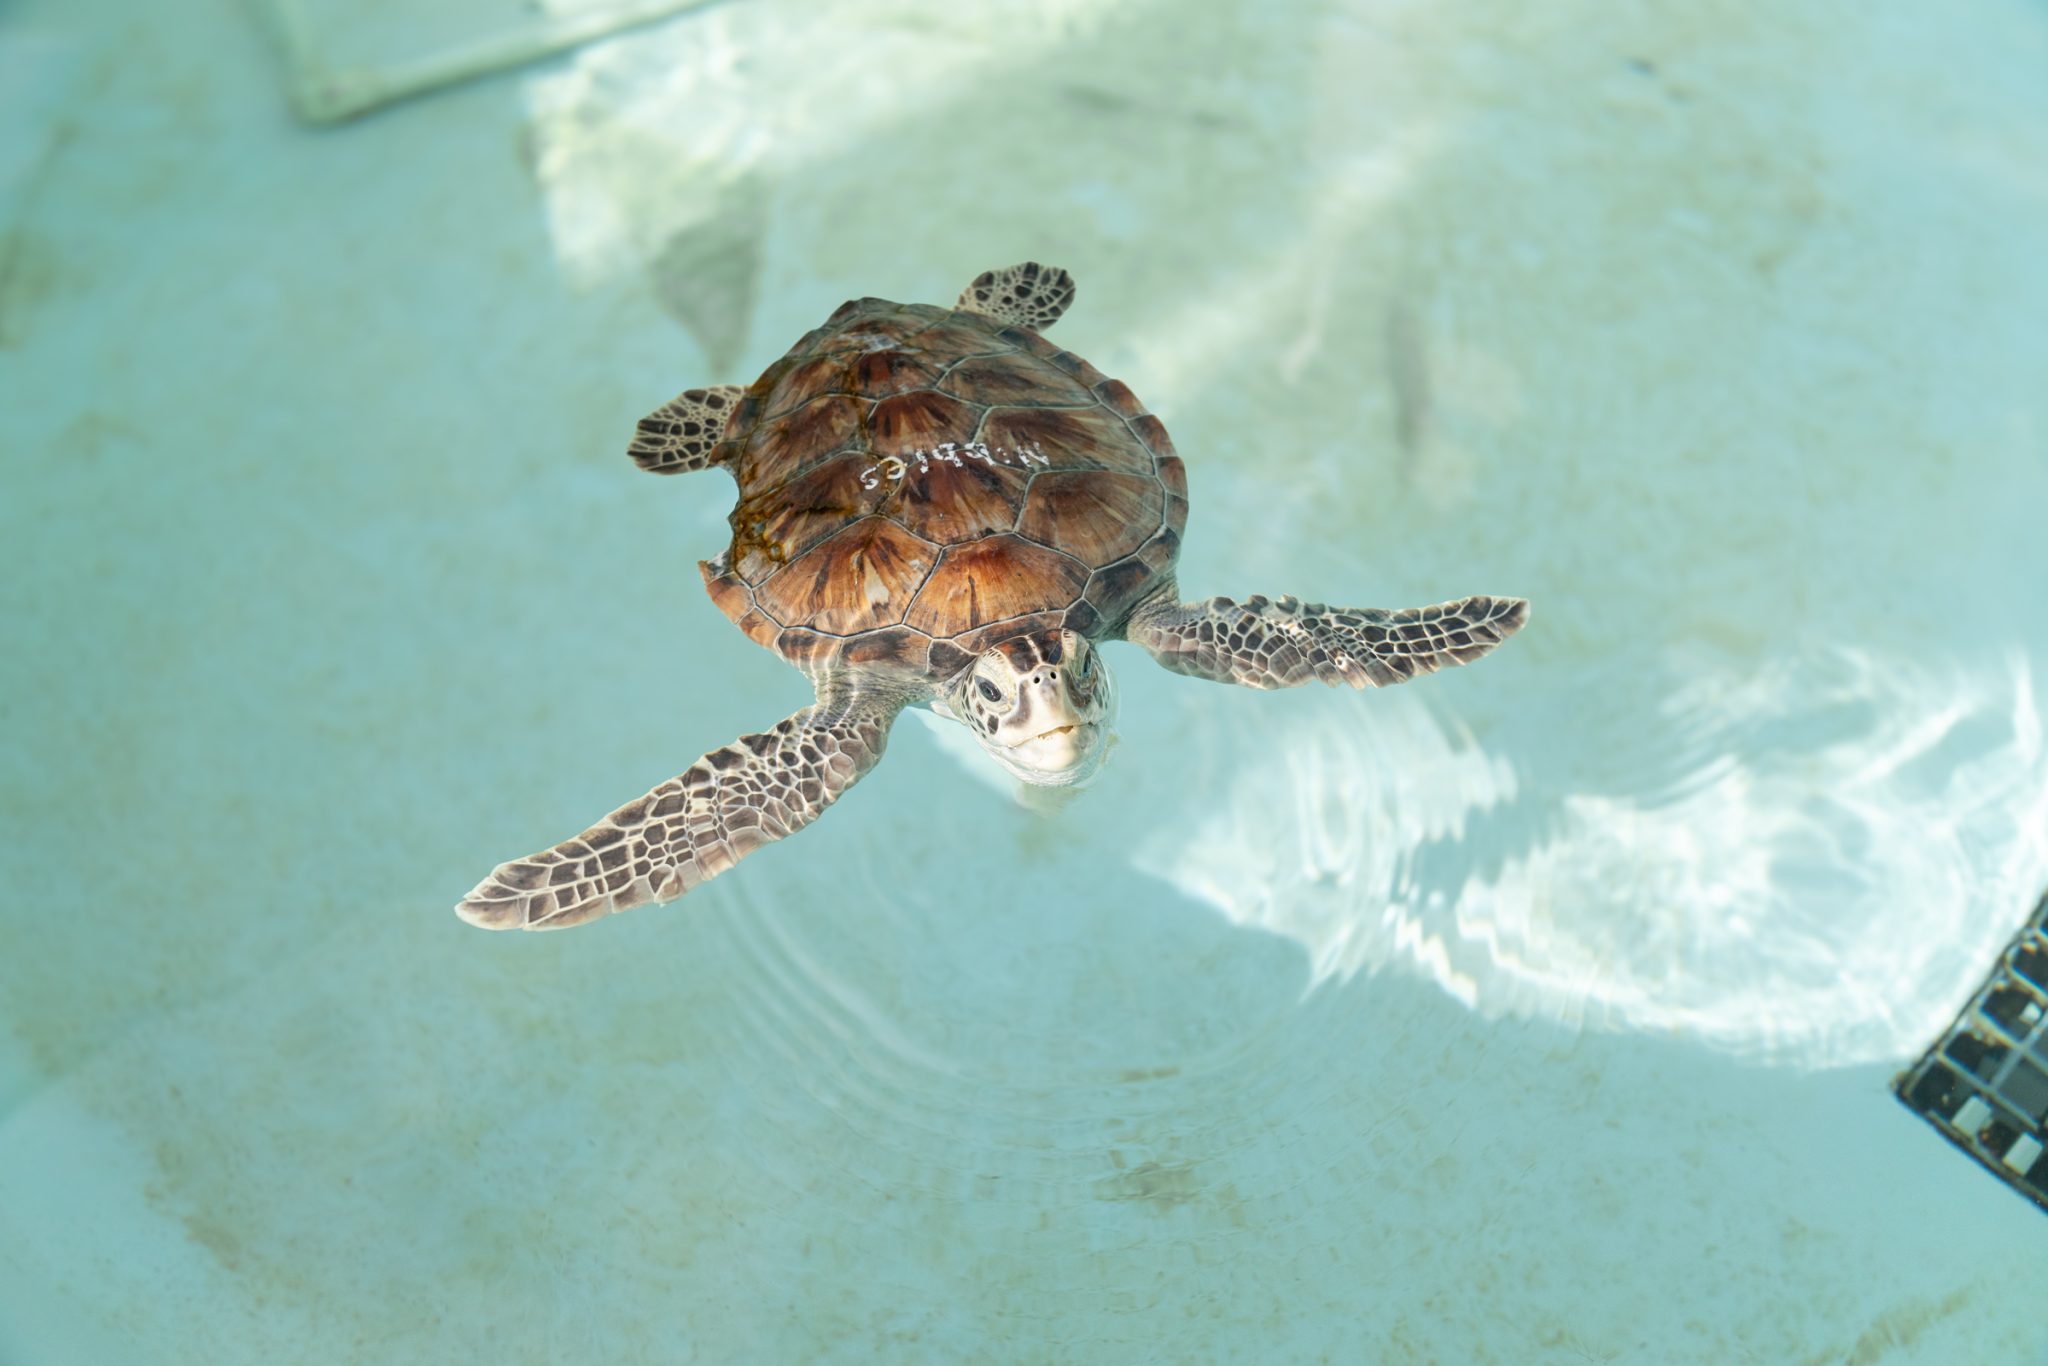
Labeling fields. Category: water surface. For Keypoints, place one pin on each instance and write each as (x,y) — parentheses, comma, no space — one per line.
(1540,1011)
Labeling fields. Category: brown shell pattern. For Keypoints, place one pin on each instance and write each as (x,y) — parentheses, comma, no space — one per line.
(917,483)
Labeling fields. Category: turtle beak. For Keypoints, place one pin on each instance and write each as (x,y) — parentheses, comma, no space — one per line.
(1058,748)
(1051,725)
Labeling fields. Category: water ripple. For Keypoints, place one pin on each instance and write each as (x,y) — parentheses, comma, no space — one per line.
(1786,864)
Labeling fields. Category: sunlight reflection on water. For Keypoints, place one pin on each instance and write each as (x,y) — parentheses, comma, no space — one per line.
(1800,890)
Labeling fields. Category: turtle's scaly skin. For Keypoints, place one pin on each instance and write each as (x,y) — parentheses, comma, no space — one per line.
(918,483)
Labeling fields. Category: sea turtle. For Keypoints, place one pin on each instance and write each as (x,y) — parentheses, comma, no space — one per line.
(938,506)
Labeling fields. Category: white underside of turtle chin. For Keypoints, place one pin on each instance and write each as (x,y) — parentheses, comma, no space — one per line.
(1066,756)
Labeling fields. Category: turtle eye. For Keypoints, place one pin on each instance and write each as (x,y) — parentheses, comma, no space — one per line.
(1087,665)
(988,690)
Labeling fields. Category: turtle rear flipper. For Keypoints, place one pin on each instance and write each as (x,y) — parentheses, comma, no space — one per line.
(694,826)
(682,435)
(1026,295)
(1284,642)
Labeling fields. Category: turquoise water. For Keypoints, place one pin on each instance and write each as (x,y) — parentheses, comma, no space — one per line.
(1541,1011)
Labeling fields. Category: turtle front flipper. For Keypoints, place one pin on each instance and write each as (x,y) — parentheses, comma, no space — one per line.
(694,826)
(682,435)
(1027,295)
(1285,642)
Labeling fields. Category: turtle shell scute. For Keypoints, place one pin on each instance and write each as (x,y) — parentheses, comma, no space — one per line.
(994,579)
(904,424)
(1118,398)
(787,521)
(917,483)
(1084,374)
(944,659)
(862,577)
(892,645)
(1093,515)
(1012,378)
(1066,438)
(783,447)
(878,374)
(958,498)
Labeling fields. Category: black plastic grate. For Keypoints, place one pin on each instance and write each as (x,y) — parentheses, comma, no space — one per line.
(1984,1084)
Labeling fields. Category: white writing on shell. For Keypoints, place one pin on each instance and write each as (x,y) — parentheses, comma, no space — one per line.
(894,467)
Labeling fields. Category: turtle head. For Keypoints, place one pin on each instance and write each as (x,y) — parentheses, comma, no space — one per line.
(1042,704)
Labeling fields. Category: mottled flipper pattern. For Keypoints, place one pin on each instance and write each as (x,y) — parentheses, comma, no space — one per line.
(678,437)
(1029,295)
(691,828)
(1285,642)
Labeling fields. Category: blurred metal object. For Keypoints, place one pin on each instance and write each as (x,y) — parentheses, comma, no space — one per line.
(343,62)
(1984,1083)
